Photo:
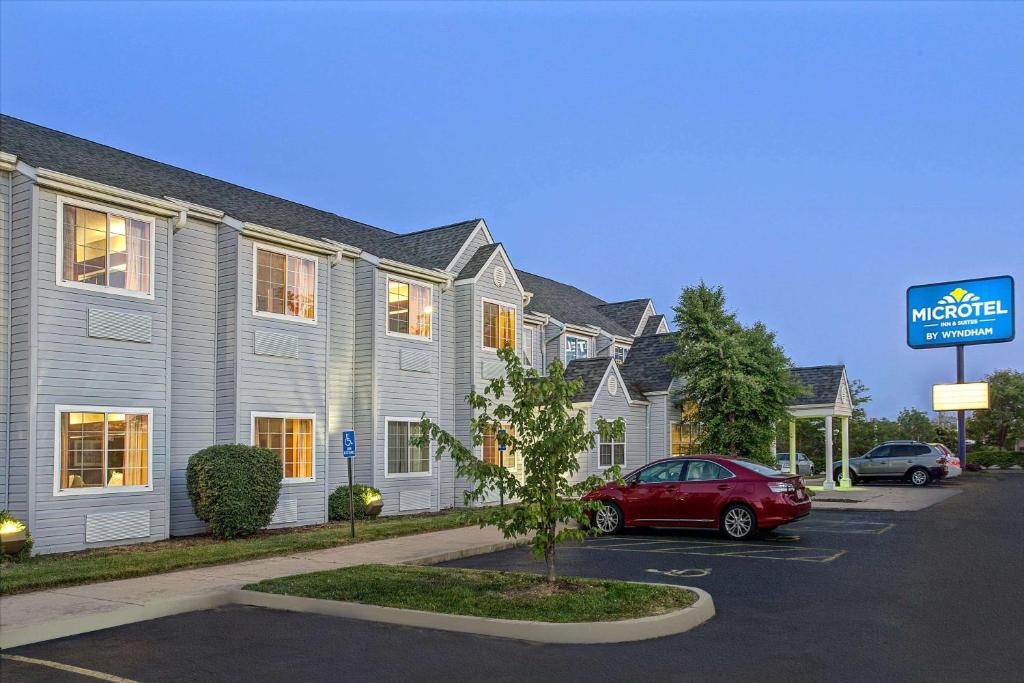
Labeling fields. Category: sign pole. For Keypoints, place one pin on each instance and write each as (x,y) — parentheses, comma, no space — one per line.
(961,419)
(351,500)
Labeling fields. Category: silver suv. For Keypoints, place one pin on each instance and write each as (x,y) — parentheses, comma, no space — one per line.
(913,461)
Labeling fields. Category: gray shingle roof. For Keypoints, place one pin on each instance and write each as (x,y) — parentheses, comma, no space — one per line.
(645,366)
(477,261)
(652,325)
(591,371)
(568,304)
(628,314)
(47,148)
(822,381)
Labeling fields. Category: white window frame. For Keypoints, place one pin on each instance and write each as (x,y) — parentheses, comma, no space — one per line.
(620,347)
(501,304)
(104,289)
(528,361)
(387,319)
(585,340)
(100,490)
(256,246)
(301,416)
(613,443)
(407,475)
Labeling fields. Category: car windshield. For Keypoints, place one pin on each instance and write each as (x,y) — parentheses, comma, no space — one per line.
(757,467)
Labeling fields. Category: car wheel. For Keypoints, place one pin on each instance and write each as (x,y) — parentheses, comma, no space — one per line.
(608,518)
(738,522)
(919,477)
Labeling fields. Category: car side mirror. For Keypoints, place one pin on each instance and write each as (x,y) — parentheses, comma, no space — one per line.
(634,482)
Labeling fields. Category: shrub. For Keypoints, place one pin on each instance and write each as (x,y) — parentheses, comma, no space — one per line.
(989,456)
(364,495)
(8,520)
(234,488)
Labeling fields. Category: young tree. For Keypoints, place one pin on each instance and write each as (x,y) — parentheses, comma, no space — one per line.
(738,377)
(540,426)
(1002,424)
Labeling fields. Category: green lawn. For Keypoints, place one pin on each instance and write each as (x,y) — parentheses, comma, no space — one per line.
(122,562)
(500,595)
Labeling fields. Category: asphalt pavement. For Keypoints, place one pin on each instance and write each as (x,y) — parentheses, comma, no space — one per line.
(841,596)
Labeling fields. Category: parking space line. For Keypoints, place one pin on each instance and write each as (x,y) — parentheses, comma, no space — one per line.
(723,549)
(67,667)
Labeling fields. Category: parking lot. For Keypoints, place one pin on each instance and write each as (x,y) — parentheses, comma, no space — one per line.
(840,596)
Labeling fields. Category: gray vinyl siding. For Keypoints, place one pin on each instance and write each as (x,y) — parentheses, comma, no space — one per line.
(363,391)
(22,370)
(341,384)
(450,397)
(660,425)
(274,384)
(78,370)
(610,408)
(193,362)
(5,322)
(404,394)
(467,353)
(554,345)
(226,335)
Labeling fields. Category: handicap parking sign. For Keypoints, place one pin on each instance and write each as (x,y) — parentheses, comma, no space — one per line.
(348,443)
(501,446)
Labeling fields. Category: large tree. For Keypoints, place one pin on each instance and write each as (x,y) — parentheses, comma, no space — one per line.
(737,377)
(1002,424)
(916,425)
(533,417)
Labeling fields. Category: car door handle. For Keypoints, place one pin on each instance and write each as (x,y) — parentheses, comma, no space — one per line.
(724,487)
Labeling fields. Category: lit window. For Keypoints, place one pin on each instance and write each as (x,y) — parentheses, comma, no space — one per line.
(103,450)
(576,347)
(104,249)
(409,309)
(499,326)
(620,354)
(528,335)
(612,452)
(493,456)
(291,438)
(285,284)
(686,433)
(403,457)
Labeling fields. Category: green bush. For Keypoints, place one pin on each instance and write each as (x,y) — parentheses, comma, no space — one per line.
(26,550)
(337,507)
(989,456)
(234,488)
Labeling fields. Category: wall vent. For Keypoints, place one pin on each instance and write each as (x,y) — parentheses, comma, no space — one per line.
(287,511)
(499,277)
(613,385)
(415,361)
(132,327)
(418,499)
(114,526)
(273,344)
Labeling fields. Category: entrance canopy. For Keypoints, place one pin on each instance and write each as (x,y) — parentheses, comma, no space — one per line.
(827,395)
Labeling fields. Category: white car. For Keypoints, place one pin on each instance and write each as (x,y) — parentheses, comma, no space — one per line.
(952,461)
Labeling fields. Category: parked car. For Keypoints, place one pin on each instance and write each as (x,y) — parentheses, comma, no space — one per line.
(737,496)
(804,466)
(913,461)
(953,466)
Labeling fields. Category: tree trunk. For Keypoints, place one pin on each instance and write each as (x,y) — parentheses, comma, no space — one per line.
(549,559)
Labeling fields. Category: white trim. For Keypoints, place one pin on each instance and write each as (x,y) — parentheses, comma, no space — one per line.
(565,347)
(107,194)
(487,264)
(643,319)
(481,225)
(301,416)
(256,246)
(108,210)
(406,475)
(612,443)
(532,329)
(388,277)
(59,409)
(506,305)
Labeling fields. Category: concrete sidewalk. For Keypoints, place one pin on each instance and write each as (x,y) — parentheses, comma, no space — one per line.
(873,497)
(63,611)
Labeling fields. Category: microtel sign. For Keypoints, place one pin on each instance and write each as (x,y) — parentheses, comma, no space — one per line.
(961,312)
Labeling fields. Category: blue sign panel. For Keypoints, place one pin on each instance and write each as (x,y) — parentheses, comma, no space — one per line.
(348,444)
(961,312)
(501,446)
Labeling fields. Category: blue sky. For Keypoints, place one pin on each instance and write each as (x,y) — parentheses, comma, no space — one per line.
(814,160)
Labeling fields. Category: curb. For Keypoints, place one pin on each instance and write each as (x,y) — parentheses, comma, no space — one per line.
(585,633)
(438,558)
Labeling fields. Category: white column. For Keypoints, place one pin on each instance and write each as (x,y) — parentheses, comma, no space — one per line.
(844,427)
(829,484)
(792,446)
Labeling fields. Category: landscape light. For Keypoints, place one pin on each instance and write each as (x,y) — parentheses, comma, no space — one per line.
(12,537)
(970,396)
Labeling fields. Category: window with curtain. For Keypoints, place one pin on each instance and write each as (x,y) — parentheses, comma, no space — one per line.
(106,249)
(409,308)
(492,456)
(686,433)
(285,284)
(403,457)
(612,452)
(103,450)
(499,326)
(291,438)
(620,353)
(528,336)
(576,347)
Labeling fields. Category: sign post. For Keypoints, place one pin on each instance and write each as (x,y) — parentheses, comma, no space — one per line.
(960,313)
(501,461)
(348,450)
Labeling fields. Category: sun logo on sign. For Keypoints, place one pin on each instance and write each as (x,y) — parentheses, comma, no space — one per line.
(958,295)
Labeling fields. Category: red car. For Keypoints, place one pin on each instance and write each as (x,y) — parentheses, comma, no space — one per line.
(738,496)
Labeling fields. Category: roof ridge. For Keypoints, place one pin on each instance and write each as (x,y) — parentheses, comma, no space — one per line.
(439,227)
(197,173)
(627,301)
(565,284)
(815,367)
